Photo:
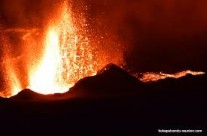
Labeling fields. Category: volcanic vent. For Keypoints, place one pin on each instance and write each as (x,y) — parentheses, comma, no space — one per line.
(55,57)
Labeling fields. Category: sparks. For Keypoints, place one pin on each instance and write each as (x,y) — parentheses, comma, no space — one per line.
(66,59)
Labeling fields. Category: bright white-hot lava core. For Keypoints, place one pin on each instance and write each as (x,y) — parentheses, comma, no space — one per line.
(67,56)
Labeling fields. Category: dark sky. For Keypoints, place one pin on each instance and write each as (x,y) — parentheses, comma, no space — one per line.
(158,35)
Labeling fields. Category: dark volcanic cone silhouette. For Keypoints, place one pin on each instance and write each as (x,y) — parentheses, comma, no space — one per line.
(111,80)
(26,95)
(169,103)
(114,81)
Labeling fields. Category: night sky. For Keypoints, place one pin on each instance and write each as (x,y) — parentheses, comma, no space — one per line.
(157,35)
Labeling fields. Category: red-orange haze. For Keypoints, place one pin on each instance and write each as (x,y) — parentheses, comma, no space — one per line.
(48,45)
(58,59)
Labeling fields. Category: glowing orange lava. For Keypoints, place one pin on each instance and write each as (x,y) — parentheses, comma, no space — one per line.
(43,80)
(67,56)
(52,58)
(11,83)
(152,77)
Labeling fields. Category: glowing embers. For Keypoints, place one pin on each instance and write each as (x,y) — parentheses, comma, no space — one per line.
(52,58)
(44,78)
(67,56)
(11,78)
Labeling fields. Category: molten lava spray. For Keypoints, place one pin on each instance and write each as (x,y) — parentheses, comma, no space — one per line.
(53,58)
(67,57)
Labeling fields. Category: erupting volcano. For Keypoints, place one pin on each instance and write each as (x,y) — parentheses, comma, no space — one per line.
(104,67)
(53,58)
(58,59)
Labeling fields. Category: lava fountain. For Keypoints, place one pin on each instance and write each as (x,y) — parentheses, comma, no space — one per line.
(67,56)
(55,56)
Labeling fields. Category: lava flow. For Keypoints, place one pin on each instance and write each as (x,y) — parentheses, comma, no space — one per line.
(152,76)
